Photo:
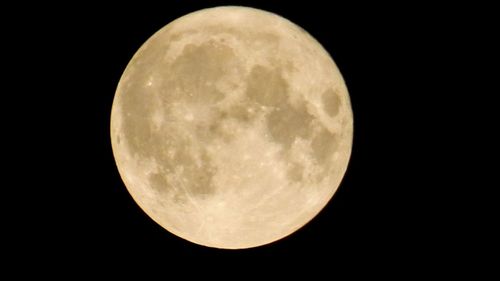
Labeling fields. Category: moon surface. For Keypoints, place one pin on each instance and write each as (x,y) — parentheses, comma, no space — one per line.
(231,127)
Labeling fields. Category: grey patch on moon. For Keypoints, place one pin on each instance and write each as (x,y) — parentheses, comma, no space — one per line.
(244,114)
(223,102)
(158,182)
(324,144)
(331,102)
(287,123)
(137,135)
(295,172)
(266,86)
(197,68)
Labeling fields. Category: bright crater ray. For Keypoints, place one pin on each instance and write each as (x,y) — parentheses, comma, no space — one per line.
(231,127)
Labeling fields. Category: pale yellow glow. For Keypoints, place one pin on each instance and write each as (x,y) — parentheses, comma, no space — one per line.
(231,127)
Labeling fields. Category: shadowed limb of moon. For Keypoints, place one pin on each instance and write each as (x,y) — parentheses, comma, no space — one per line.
(231,127)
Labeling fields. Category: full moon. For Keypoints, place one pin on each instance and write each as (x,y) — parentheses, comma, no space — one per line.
(231,127)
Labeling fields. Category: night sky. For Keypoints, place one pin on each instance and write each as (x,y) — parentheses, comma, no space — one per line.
(388,209)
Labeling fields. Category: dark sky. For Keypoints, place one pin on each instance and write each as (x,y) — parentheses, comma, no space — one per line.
(388,209)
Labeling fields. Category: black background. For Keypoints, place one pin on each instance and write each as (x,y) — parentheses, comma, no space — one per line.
(391,211)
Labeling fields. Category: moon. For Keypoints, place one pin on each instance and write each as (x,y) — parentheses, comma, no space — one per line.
(231,127)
